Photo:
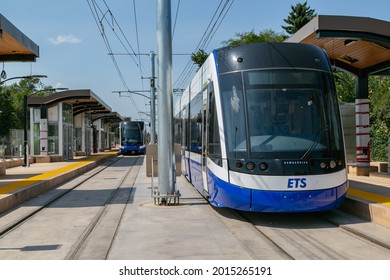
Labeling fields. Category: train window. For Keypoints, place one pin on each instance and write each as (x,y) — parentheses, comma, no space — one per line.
(280,113)
(185,128)
(233,107)
(196,124)
(177,128)
(293,115)
(334,113)
(214,144)
(286,111)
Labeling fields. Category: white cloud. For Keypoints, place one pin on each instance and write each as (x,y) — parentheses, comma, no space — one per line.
(65,39)
(59,85)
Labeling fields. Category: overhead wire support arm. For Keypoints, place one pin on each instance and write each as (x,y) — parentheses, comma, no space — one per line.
(137,92)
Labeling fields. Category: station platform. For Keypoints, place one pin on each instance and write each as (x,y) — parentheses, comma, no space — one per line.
(20,184)
(368,196)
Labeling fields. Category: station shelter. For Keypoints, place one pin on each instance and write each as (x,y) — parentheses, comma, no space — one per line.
(104,135)
(69,123)
(15,46)
(361,47)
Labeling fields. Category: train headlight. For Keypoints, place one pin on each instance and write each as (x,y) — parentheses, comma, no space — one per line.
(323,164)
(238,164)
(250,165)
(332,164)
(263,166)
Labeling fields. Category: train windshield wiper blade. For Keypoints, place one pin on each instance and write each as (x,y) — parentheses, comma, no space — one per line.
(316,140)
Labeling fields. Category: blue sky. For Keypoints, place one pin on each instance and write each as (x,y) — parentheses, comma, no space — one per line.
(74,55)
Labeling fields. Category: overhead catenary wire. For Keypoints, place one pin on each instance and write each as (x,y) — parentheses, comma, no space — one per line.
(105,39)
(176,16)
(188,69)
(115,22)
(213,26)
(137,36)
(100,16)
(105,19)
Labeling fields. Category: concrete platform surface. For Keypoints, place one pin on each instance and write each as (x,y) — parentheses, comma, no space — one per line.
(368,196)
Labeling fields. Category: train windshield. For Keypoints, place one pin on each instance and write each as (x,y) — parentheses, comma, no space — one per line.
(280,114)
(131,135)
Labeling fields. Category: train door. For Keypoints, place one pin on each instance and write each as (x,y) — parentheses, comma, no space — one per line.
(184,147)
(205,136)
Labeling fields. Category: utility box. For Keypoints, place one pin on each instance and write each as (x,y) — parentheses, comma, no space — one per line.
(152,153)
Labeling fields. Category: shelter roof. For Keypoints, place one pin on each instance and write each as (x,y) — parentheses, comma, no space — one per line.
(359,45)
(83,100)
(113,117)
(14,45)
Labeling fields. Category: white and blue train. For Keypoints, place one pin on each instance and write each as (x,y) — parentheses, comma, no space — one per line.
(260,129)
(132,137)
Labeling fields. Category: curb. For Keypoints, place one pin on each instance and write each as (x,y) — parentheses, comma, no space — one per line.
(370,211)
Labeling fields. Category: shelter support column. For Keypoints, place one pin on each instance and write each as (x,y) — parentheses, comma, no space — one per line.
(362,107)
(362,113)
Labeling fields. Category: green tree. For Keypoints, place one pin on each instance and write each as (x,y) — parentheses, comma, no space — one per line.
(7,112)
(379,94)
(199,57)
(28,86)
(266,35)
(345,86)
(11,103)
(299,15)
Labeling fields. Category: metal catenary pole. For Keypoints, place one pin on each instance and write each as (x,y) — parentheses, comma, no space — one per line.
(152,100)
(165,109)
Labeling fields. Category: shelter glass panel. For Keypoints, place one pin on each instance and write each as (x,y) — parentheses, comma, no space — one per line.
(52,114)
(79,138)
(53,138)
(37,146)
(67,113)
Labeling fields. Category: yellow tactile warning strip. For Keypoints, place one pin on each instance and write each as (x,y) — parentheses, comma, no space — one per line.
(385,200)
(32,180)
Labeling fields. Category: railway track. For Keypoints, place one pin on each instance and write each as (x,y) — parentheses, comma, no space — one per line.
(330,235)
(84,206)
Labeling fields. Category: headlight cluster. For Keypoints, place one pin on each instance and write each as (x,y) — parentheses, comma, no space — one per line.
(251,165)
(325,164)
(331,164)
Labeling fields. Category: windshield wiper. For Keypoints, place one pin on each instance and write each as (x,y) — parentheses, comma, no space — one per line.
(316,140)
